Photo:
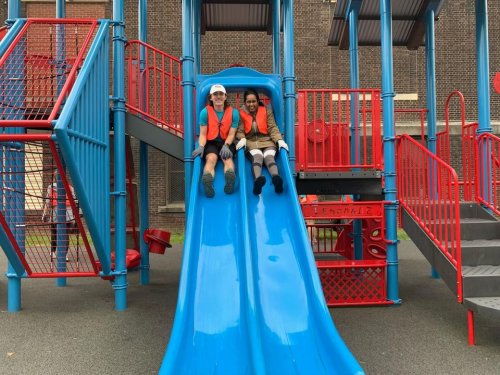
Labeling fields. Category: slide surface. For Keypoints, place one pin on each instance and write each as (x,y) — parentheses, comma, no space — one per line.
(250,300)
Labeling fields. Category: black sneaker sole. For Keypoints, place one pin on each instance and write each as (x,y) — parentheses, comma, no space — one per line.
(207,180)
(278,184)
(258,184)
(230,177)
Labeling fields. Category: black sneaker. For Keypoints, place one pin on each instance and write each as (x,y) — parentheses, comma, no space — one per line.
(258,184)
(207,181)
(230,177)
(278,184)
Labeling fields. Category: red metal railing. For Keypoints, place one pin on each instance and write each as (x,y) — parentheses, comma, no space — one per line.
(323,237)
(469,161)
(39,210)
(154,86)
(428,190)
(488,178)
(324,136)
(39,68)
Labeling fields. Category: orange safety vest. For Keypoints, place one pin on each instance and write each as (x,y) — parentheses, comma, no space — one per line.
(216,127)
(53,195)
(261,120)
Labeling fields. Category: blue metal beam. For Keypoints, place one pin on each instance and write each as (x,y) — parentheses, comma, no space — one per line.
(188,86)
(391,208)
(276,36)
(143,157)
(120,194)
(483,89)
(289,80)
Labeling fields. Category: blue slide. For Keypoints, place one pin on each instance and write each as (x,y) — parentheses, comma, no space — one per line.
(250,299)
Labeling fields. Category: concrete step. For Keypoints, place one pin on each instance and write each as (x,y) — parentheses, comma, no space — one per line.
(481,281)
(488,307)
(471,228)
(474,210)
(481,252)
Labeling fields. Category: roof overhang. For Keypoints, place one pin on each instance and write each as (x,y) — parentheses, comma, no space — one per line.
(236,15)
(408,24)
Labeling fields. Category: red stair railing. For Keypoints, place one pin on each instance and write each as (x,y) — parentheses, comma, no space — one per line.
(488,151)
(428,190)
(154,86)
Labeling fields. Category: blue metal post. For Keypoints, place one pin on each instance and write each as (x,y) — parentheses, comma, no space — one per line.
(14,9)
(289,80)
(14,282)
(188,86)
(197,35)
(391,208)
(483,91)
(120,194)
(430,55)
(143,155)
(431,81)
(276,36)
(14,202)
(354,77)
(61,230)
(60,9)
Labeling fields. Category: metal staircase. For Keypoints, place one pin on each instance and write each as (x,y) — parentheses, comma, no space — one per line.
(461,240)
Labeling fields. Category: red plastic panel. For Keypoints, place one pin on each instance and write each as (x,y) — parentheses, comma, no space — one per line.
(353,282)
(40,212)
(342,210)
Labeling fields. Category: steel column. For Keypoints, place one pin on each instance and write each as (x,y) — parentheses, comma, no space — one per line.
(391,208)
(354,78)
(120,191)
(13,10)
(289,80)
(13,280)
(188,86)
(276,4)
(143,154)
(483,91)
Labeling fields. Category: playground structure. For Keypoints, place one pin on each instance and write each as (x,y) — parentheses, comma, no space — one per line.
(336,149)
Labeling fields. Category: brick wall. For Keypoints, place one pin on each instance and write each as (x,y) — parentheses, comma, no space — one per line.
(316,64)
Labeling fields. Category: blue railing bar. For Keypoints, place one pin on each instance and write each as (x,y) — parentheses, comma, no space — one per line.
(11,35)
(86,138)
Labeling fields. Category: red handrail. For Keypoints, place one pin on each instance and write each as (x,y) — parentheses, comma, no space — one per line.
(324,131)
(469,161)
(154,86)
(428,190)
(488,151)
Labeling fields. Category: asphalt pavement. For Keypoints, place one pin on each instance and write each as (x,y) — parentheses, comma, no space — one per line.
(74,329)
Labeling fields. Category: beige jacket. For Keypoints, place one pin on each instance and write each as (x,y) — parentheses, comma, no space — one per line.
(256,139)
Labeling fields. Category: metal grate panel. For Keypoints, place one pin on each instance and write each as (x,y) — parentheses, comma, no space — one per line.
(40,211)
(39,69)
(353,282)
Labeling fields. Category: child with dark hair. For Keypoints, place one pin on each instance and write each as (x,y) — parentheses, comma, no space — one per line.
(261,136)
